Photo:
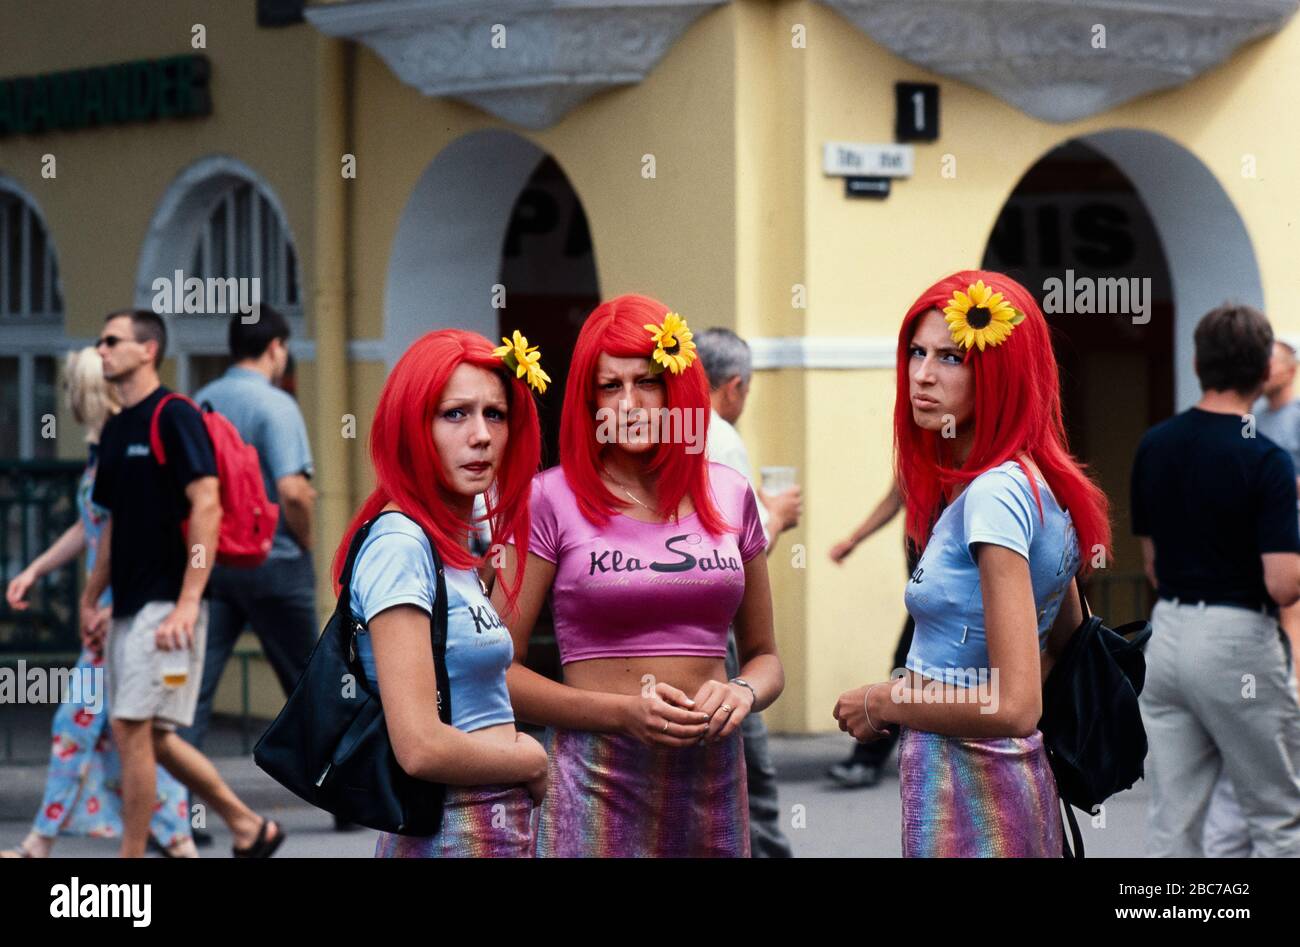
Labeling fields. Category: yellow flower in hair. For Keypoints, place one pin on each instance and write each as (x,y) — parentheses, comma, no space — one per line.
(674,349)
(980,316)
(523,360)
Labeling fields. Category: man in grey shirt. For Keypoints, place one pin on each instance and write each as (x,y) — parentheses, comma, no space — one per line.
(1277,417)
(1277,412)
(278,598)
(728,363)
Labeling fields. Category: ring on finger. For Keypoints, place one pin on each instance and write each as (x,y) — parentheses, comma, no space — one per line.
(665,729)
(726,707)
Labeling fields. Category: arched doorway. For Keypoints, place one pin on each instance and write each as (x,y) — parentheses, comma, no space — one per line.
(494,238)
(1126,240)
(549,273)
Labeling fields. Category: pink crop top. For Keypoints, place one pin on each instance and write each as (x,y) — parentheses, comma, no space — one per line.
(631,589)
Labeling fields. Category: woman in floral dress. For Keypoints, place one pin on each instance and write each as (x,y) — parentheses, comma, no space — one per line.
(83,793)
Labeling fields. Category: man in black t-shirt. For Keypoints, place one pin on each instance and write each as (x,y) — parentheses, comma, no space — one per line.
(1214,504)
(158,566)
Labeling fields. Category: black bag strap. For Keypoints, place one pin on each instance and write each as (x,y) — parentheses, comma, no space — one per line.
(439,636)
(1076,836)
(438,621)
(1083,599)
(343,606)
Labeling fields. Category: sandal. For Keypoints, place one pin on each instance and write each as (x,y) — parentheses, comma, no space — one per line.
(19,851)
(178,850)
(262,846)
(186,849)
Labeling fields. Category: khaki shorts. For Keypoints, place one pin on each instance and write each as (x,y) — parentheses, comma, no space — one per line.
(133,668)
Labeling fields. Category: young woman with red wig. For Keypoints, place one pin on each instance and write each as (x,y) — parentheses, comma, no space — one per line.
(650,552)
(453,422)
(1005,517)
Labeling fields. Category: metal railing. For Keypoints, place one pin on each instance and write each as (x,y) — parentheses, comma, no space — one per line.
(38,502)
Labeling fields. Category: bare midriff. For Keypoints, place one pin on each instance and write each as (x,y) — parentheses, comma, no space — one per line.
(917,681)
(629,676)
(498,732)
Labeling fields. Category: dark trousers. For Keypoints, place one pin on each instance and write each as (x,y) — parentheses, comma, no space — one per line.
(876,753)
(766,840)
(278,600)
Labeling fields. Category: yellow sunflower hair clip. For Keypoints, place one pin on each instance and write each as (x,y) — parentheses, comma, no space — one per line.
(674,349)
(523,360)
(980,316)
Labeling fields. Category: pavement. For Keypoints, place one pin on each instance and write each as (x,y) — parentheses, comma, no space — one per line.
(821,819)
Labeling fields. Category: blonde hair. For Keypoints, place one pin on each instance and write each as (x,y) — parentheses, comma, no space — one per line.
(91,398)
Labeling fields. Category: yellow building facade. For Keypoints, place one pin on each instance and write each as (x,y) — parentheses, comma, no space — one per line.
(701,183)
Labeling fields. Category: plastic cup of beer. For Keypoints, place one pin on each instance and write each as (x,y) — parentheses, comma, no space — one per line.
(778,479)
(176,667)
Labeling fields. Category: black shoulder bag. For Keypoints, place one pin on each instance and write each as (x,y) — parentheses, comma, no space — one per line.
(332,749)
(1091,723)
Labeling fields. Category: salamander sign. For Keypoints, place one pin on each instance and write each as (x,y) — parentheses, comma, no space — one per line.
(175,87)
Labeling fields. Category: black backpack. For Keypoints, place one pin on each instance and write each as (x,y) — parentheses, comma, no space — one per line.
(1091,724)
(332,750)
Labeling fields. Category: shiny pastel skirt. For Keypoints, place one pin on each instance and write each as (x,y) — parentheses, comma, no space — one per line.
(477,822)
(612,796)
(977,798)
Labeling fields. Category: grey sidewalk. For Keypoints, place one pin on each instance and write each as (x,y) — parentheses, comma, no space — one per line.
(820,818)
(867,822)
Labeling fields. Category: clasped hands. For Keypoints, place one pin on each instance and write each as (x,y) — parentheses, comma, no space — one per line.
(663,714)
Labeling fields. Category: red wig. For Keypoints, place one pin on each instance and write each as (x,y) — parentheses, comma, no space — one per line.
(1017,410)
(407,466)
(617,327)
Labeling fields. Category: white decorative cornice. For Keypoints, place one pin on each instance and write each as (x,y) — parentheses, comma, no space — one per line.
(554,55)
(1041,55)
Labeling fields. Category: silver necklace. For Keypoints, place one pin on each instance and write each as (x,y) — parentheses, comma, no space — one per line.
(628,492)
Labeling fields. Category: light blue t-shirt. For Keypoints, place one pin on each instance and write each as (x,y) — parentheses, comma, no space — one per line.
(944,595)
(394,566)
(268,418)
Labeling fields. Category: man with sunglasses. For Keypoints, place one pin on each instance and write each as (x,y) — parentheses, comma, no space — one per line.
(158,576)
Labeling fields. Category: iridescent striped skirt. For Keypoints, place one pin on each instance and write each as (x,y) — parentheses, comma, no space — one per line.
(612,796)
(477,822)
(977,798)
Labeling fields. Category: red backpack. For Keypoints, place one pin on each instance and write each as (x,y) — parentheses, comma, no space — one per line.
(248,517)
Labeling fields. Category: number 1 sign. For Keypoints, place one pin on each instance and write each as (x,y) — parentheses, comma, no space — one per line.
(916,106)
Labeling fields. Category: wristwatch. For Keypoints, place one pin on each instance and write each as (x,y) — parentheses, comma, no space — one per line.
(744,683)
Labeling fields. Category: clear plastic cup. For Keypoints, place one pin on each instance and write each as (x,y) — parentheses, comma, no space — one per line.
(778,479)
(176,667)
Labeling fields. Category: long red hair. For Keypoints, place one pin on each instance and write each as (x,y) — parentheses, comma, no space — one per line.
(617,327)
(407,467)
(1017,410)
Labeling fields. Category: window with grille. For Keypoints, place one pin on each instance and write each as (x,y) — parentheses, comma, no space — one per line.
(240,234)
(244,237)
(31,312)
(29,274)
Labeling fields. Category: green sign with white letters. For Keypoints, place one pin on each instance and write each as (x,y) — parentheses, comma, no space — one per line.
(141,91)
